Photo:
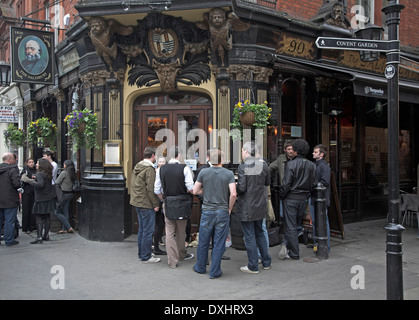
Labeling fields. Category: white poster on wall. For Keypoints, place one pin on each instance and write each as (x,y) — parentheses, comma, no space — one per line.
(8,114)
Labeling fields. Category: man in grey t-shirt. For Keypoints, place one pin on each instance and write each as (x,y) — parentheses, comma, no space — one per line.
(218,187)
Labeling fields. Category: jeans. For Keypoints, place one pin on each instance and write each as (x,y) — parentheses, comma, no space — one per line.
(265,232)
(294,214)
(254,238)
(146,224)
(8,215)
(215,225)
(313,219)
(62,211)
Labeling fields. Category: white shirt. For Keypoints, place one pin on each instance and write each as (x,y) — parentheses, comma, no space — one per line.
(187,172)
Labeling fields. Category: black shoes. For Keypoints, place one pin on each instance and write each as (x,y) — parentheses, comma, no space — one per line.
(159,252)
(36,241)
(15,242)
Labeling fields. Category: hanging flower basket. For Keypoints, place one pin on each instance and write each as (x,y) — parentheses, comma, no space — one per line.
(247,118)
(82,127)
(43,128)
(250,114)
(14,136)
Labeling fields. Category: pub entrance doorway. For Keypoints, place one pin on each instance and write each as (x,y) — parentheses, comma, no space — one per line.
(155,112)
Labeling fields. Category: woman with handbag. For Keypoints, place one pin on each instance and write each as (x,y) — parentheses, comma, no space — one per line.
(44,198)
(65,181)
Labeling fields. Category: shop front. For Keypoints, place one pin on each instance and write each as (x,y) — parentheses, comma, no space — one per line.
(180,72)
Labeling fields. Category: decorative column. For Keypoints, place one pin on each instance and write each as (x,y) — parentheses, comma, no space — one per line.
(105,214)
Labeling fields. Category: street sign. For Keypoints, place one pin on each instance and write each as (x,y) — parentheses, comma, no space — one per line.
(409,64)
(352,44)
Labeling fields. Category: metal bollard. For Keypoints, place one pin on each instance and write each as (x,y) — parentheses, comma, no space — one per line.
(321,226)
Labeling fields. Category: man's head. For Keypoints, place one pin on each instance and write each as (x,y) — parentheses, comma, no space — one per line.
(9,158)
(289,150)
(175,153)
(319,152)
(150,154)
(301,147)
(216,157)
(48,155)
(32,50)
(249,150)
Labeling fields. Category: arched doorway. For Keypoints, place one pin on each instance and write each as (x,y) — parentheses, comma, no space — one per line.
(155,112)
(163,111)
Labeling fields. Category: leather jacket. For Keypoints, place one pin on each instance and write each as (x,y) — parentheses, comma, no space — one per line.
(253,178)
(299,179)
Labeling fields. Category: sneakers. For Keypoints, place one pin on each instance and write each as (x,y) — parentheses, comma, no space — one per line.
(152,260)
(245,269)
(189,256)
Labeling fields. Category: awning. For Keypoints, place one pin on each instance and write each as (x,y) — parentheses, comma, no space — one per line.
(365,84)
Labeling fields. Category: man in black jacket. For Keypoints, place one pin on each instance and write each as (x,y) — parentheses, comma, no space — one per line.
(297,185)
(9,200)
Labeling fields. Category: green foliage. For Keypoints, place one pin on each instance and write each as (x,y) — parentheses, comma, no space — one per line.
(14,136)
(82,127)
(261,111)
(43,128)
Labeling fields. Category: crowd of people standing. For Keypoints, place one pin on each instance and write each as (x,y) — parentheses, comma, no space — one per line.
(169,190)
(162,196)
(38,184)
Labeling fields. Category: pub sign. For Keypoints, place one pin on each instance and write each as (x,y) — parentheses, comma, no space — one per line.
(32,56)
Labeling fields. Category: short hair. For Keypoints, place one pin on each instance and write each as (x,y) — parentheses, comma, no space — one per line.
(322,149)
(48,153)
(174,152)
(288,143)
(216,156)
(7,156)
(301,147)
(149,151)
(251,148)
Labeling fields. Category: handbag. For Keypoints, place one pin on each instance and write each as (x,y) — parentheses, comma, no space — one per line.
(274,236)
(59,194)
(178,207)
(76,186)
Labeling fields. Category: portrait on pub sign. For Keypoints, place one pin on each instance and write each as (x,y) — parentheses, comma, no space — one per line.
(32,56)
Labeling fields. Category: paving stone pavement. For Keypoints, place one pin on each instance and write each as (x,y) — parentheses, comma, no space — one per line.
(71,267)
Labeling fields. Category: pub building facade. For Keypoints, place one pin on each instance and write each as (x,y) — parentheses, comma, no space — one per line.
(143,66)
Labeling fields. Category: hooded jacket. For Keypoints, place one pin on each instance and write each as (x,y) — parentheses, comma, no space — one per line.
(9,183)
(142,186)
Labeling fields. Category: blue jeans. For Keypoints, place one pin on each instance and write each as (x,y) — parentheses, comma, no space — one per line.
(254,238)
(8,215)
(215,225)
(63,210)
(146,224)
(265,232)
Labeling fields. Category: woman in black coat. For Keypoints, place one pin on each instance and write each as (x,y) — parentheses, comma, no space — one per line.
(28,197)
(44,198)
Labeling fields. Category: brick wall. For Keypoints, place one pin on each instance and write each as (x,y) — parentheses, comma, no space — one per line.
(409,35)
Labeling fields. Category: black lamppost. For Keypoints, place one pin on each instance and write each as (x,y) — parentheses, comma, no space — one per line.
(393,228)
(5,74)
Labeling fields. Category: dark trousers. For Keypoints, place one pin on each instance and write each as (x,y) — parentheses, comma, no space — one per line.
(293,214)
(28,219)
(159,229)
